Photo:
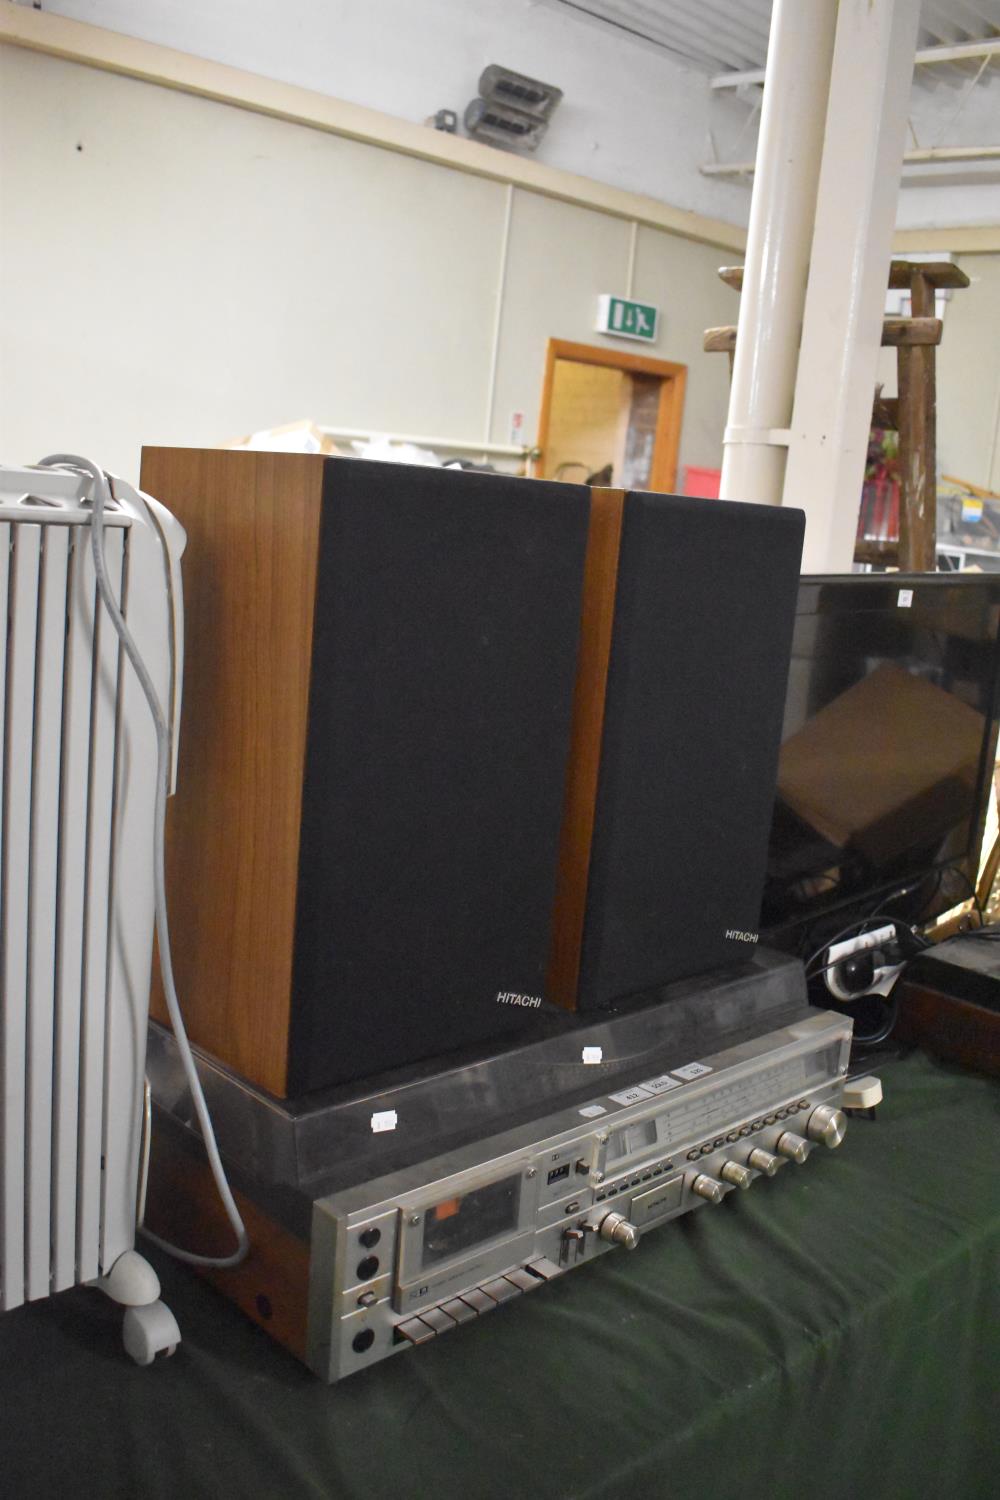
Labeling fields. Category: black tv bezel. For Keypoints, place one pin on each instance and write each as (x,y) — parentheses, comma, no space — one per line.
(854,587)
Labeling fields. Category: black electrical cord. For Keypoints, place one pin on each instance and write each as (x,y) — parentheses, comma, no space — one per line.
(859,926)
(861,923)
(827,967)
(934,893)
(974,894)
(871,1039)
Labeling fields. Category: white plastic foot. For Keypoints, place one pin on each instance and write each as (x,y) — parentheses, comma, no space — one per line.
(149,1331)
(150,1328)
(862,1093)
(132,1282)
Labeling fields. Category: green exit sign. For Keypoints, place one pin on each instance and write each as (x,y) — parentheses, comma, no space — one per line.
(627,320)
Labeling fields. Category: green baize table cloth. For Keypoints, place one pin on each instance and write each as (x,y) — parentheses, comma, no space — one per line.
(832,1333)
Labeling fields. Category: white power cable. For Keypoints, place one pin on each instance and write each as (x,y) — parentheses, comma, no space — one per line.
(101,496)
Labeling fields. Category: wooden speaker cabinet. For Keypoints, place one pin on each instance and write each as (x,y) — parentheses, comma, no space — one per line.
(454,745)
(379,676)
(687,628)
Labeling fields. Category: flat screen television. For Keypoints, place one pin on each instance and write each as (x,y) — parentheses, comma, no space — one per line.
(888,747)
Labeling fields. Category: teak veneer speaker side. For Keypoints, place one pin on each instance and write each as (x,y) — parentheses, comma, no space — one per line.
(252,521)
(599,584)
(183,1206)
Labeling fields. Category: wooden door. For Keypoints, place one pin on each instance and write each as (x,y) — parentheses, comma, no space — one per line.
(610,417)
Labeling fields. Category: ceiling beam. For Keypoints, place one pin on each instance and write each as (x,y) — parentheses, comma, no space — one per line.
(925,58)
(910,158)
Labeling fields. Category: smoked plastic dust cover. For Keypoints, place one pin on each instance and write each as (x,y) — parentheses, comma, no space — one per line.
(696,678)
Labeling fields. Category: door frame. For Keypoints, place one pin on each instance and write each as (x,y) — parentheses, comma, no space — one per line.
(672,377)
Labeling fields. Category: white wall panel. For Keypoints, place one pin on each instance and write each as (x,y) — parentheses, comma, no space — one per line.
(560,259)
(968,377)
(682,279)
(632,115)
(193,272)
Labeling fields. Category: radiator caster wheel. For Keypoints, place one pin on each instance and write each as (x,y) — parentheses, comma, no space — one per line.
(148,1331)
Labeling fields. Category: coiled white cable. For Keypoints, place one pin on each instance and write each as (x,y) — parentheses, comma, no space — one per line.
(101,496)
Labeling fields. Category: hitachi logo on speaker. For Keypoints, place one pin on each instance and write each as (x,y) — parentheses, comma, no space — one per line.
(736,936)
(508,997)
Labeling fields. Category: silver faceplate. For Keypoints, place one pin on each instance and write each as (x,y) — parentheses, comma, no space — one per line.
(380,1279)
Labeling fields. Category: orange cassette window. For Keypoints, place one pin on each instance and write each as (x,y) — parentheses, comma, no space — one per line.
(465,1221)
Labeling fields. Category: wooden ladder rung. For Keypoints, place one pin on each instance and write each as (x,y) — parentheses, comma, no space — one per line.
(882,554)
(935,273)
(720,340)
(896,333)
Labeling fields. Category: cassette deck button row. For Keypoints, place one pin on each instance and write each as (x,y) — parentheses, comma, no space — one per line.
(478,1300)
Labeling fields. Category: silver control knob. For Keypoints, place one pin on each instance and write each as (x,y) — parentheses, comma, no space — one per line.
(740,1177)
(617,1229)
(795,1147)
(764,1161)
(708,1187)
(827,1126)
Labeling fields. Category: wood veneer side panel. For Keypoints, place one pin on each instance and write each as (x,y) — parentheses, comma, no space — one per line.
(183,1207)
(252,521)
(666,445)
(950,1027)
(545,411)
(600,578)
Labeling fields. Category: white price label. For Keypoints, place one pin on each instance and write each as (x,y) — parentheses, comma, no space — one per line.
(692,1070)
(383,1119)
(631,1096)
(660,1085)
(904,599)
(593,1054)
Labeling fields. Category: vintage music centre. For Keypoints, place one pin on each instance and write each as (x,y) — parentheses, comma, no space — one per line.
(492,789)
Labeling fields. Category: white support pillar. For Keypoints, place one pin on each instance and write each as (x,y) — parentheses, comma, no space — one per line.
(779,238)
(842,323)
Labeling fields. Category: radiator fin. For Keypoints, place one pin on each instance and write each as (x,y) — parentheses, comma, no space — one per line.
(74,785)
(60,686)
(42,911)
(25,557)
(104,688)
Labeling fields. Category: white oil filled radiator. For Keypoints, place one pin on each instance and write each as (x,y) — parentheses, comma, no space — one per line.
(79,754)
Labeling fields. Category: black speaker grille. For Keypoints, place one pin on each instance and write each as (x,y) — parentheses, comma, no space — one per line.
(696,684)
(445,644)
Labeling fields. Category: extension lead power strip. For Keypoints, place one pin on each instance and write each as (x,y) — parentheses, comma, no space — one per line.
(883,975)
